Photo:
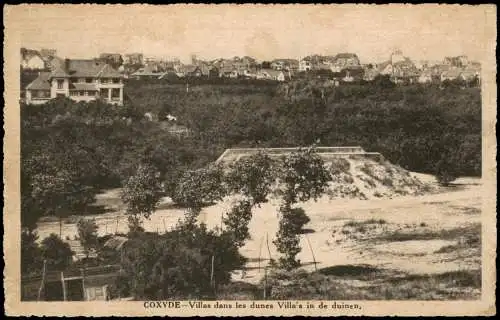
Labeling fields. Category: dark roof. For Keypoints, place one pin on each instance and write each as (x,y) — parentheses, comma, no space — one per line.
(58,72)
(345,56)
(115,243)
(85,68)
(40,83)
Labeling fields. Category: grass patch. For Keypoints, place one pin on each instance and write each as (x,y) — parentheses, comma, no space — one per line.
(335,283)
(470,233)
(354,224)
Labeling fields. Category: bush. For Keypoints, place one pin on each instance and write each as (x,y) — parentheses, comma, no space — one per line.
(56,252)
(178,264)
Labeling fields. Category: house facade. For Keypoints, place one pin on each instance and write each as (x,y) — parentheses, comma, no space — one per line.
(79,80)
(305,65)
(344,60)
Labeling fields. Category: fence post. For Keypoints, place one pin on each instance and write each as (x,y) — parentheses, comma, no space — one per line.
(312,252)
(42,284)
(83,283)
(212,273)
(268,250)
(260,249)
(63,286)
(265,282)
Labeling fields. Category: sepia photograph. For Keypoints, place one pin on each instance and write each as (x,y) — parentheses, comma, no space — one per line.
(250,159)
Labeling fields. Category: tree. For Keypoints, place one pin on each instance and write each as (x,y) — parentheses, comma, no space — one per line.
(252,177)
(302,177)
(87,233)
(31,255)
(142,193)
(56,252)
(59,194)
(197,188)
(237,220)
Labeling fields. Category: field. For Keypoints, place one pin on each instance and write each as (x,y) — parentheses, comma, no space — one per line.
(407,247)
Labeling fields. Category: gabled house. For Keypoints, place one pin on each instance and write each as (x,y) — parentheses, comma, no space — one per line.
(425,77)
(79,80)
(228,71)
(147,72)
(344,60)
(451,74)
(190,70)
(275,75)
(305,65)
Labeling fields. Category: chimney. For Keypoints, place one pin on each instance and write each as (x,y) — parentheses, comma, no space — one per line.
(66,64)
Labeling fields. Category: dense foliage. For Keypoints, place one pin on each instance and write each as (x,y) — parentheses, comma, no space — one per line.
(141,194)
(236,222)
(302,176)
(56,253)
(178,264)
(252,177)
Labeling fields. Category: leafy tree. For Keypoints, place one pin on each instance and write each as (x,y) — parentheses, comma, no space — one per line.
(252,177)
(56,252)
(31,255)
(197,188)
(287,239)
(87,233)
(237,220)
(302,177)
(142,193)
(58,194)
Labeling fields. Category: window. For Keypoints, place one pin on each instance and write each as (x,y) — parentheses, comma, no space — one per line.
(81,93)
(104,93)
(116,80)
(60,84)
(115,93)
(73,93)
(86,93)
(89,80)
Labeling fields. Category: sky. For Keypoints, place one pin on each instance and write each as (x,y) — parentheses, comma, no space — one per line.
(423,32)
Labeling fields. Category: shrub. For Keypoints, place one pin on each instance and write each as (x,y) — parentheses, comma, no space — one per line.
(56,252)
(178,264)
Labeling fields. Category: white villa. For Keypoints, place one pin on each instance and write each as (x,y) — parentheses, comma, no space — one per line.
(79,80)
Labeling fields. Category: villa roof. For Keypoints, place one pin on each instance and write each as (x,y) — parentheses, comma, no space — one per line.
(85,68)
(40,83)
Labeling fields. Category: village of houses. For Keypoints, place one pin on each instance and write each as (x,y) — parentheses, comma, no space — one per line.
(45,75)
